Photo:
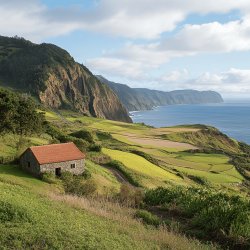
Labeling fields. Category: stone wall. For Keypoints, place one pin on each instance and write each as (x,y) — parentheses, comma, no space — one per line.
(65,166)
(29,163)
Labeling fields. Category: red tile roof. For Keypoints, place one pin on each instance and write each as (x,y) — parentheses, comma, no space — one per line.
(57,153)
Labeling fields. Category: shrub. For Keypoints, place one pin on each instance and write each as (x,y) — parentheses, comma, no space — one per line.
(86,174)
(84,134)
(212,211)
(147,217)
(95,147)
(80,143)
(88,188)
(131,196)
(103,135)
(54,132)
(78,185)
(49,178)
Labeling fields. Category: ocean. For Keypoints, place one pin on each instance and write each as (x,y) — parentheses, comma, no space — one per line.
(230,117)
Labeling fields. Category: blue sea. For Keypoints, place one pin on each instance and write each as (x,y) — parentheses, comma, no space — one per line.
(230,117)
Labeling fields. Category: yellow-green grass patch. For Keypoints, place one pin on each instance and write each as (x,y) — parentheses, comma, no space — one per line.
(140,165)
(212,177)
(105,180)
(205,158)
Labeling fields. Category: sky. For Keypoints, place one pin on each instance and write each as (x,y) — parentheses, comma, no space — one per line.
(157,44)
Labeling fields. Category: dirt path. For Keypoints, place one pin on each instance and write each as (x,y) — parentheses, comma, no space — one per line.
(119,175)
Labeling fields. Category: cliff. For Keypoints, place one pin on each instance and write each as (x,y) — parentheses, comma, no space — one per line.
(50,74)
(143,99)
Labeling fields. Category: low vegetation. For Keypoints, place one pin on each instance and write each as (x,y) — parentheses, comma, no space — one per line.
(34,215)
(221,216)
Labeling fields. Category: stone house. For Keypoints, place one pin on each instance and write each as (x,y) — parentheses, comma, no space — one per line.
(53,158)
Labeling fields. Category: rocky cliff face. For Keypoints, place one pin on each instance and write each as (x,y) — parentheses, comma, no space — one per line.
(51,74)
(74,88)
(144,99)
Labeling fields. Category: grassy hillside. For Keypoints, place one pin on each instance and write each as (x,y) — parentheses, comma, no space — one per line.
(118,153)
(35,215)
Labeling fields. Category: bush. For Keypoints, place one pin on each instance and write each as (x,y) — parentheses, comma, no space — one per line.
(103,135)
(147,217)
(86,174)
(88,188)
(80,143)
(84,134)
(131,196)
(95,147)
(78,185)
(49,178)
(212,211)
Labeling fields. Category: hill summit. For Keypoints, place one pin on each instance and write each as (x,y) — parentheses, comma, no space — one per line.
(50,74)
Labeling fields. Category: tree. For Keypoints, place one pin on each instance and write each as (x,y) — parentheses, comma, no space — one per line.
(18,114)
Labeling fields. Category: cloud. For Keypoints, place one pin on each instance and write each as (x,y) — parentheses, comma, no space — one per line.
(144,19)
(231,82)
(211,37)
(31,20)
(118,67)
(189,41)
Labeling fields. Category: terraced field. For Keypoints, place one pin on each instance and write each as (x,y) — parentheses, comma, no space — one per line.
(172,156)
(148,174)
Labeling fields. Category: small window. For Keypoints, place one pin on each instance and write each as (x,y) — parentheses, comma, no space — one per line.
(28,164)
(73,165)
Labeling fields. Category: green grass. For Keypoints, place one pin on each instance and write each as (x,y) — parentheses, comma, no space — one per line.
(141,166)
(105,180)
(205,158)
(226,177)
(12,174)
(31,219)
(12,146)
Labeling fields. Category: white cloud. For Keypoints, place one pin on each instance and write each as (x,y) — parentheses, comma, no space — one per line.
(30,20)
(231,82)
(189,41)
(118,67)
(211,37)
(128,18)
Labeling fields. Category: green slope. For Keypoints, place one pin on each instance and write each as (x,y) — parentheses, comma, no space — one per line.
(34,215)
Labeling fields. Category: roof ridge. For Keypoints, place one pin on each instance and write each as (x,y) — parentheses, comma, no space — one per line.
(53,144)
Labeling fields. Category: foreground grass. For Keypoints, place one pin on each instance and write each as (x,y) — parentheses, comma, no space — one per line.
(52,220)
